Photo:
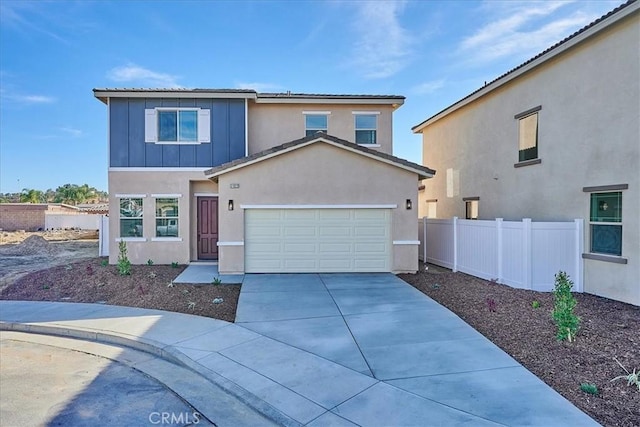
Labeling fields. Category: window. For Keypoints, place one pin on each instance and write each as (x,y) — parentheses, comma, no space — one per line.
(471,208)
(177,125)
(166,217)
(366,128)
(528,134)
(606,223)
(131,217)
(314,123)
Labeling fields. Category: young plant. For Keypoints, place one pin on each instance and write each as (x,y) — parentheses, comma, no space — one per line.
(104,262)
(492,305)
(563,305)
(589,388)
(174,265)
(633,378)
(191,305)
(535,304)
(152,275)
(149,262)
(216,281)
(124,265)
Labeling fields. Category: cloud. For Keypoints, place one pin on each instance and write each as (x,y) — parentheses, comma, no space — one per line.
(26,99)
(260,87)
(428,87)
(382,47)
(28,17)
(72,131)
(132,73)
(521,30)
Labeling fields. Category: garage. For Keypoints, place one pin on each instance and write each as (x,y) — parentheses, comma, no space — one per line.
(296,240)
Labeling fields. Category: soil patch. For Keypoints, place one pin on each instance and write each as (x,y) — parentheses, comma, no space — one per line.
(609,330)
(147,287)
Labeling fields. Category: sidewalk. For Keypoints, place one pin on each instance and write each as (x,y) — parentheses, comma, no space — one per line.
(287,385)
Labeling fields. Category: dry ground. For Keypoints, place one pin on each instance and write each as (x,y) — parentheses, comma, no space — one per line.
(609,330)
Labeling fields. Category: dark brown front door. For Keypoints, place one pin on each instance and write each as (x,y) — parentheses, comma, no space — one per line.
(207,228)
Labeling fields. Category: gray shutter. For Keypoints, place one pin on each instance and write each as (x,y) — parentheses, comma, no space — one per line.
(204,125)
(150,125)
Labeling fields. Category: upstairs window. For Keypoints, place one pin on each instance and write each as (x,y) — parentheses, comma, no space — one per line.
(315,122)
(471,207)
(131,217)
(177,125)
(528,135)
(366,128)
(606,223)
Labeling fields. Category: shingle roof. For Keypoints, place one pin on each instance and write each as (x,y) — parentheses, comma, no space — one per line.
(487,87)
(326,96)
(422,171)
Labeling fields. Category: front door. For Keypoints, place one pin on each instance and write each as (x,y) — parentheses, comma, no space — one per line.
(207,228)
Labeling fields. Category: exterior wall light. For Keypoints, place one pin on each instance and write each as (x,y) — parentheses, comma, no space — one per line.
(230,204)
(409,204)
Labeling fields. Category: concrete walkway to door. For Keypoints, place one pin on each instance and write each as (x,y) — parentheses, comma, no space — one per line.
(425,366)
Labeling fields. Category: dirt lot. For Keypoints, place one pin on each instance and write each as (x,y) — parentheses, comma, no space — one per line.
(22,252)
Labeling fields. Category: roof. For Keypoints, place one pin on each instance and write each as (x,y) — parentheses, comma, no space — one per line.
(276,98)
(422,171)
(589,30)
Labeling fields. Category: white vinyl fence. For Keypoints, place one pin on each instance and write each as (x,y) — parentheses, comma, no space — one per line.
(103,245)
(66,221)
(521,254)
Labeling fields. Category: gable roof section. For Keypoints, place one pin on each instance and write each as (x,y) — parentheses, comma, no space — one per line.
(589,30)
(320,137)
(313,98)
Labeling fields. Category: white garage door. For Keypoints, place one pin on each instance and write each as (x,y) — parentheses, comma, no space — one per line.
(317,240)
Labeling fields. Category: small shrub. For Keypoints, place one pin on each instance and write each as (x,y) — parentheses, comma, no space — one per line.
(191,305)
(149,262)
(68,267)
(152,275)
(535,304)
(218,300)
(492,305)
(633,378)
(174,265)
(563,305)
(124,265)
(45,287)
(104,263)
(589,388)
(170,285)
(216,281)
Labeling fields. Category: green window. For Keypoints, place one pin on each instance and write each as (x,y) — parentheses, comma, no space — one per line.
(606,223)
(131,217)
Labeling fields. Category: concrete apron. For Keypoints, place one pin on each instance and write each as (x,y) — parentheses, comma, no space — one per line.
(427,364)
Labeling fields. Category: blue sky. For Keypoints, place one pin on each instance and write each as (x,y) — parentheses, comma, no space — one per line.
(53,53)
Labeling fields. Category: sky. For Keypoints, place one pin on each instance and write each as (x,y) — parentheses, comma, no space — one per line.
(53,53)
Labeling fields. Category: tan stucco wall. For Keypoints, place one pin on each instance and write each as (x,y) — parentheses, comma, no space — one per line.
(154,182)
(589,135)
(29,216)
(319,174)
(274,124)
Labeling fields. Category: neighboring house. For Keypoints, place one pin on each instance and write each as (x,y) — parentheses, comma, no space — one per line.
(554,139)
(30,216)
(260,182)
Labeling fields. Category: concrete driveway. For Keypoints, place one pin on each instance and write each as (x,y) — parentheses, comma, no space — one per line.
(426,359)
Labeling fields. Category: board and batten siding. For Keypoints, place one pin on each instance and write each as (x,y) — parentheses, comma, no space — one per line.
(129,149)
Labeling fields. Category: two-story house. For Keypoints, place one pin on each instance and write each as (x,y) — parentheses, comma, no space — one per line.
(260,182)
(557,138)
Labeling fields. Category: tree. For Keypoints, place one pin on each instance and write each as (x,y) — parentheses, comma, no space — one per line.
(31,196)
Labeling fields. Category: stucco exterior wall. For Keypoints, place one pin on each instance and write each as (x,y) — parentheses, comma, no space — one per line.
(149,183)
(274,124)
(589,135)
(319,174)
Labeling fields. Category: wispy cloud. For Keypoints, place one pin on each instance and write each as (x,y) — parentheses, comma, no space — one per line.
(259,87)
(17,98)
(428,87)
(132,73)
(521,30)
(382,47)
(72,131)
(28,17)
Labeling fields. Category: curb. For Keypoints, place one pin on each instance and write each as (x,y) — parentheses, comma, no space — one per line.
(162,351)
